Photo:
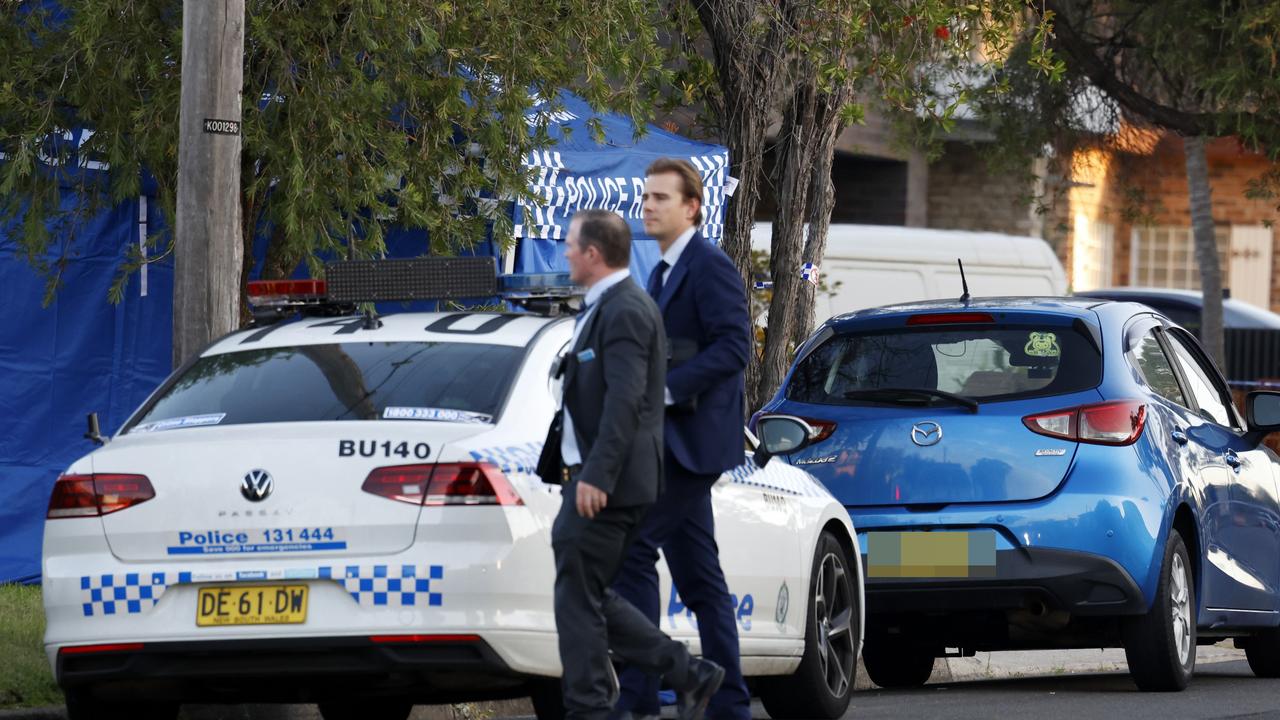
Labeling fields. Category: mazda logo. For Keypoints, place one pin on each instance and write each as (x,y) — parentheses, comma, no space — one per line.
(926,433)
(256,485)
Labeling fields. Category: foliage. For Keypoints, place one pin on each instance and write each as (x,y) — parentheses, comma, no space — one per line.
(921,58)
(1186,66)
(356,116)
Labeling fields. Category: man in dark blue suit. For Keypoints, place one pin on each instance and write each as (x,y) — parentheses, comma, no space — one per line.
(704,310)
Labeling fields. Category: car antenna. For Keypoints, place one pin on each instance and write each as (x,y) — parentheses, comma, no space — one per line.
(963,283)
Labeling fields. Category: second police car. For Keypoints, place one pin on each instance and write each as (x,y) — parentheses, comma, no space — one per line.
(344,510)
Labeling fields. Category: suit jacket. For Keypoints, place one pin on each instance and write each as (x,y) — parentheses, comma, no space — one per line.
(704,309)
(613,387)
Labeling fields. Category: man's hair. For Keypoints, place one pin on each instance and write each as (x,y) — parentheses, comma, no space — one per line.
(608,233)
(690,180)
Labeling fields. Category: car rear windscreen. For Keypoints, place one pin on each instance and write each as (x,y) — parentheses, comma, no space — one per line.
(458,382)
(983,363)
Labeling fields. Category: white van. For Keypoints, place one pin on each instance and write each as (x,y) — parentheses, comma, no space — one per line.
(872,265)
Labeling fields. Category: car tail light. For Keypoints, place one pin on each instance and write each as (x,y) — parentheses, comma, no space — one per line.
(1109,423)
(443,484)
(961,318)
(406,483)
(824,428)
(97,494)
(1118,423)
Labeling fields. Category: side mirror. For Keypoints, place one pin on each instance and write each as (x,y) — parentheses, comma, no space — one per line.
(1262,408)
(780,434)
(95,431)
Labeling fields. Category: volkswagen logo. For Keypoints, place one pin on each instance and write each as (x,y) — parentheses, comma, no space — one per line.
(926,433)
(256,485)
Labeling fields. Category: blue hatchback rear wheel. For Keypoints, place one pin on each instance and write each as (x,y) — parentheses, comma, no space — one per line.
(1161,645)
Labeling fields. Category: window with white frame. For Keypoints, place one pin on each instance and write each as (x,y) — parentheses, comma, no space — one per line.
(1164,256)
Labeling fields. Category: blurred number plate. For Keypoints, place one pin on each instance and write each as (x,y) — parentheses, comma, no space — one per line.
(251,605)
(947,554)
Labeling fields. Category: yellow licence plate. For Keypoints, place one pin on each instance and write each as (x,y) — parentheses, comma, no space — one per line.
(251,605)
(942,554)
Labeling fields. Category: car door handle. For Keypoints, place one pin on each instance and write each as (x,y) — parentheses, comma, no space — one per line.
(1179,437)
(1232,458)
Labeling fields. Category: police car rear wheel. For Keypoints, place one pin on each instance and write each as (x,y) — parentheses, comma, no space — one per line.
(366,710)
(821,686)
(82,705)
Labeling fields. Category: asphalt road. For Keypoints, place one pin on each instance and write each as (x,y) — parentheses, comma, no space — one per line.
(1219,690)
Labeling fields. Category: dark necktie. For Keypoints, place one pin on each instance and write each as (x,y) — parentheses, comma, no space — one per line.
(655,279)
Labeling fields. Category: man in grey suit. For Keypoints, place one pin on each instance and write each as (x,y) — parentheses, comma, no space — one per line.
(606,446)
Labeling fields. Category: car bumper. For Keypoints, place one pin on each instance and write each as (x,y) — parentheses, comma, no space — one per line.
(433,668)
(1035,579)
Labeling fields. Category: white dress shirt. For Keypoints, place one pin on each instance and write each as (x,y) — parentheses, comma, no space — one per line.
(673,253)
(569,454)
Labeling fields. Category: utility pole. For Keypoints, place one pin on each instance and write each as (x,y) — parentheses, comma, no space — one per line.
(209,252)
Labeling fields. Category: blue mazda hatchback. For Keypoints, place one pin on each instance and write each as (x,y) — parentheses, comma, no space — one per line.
(1040,473)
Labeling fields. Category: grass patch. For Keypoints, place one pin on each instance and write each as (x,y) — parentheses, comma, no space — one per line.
(25,679)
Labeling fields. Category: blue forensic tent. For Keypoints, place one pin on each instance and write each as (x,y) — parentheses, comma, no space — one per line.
(82,354)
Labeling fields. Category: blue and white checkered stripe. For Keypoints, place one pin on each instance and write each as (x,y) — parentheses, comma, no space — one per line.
(127,594)
(389,585)
(368,585)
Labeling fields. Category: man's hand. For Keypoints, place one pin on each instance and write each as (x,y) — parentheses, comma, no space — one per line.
(591,500)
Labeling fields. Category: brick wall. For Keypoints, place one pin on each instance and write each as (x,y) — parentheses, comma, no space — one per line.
(965,195)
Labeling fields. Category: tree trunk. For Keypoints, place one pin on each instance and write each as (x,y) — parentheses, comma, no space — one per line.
(209,245)
(822,200)
(1206,248)
(747,61)
(806,198)
(794,174)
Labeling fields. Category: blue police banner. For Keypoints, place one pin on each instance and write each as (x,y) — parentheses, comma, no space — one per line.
(581,173)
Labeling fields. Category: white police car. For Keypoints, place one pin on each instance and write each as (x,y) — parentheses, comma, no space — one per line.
(344,510)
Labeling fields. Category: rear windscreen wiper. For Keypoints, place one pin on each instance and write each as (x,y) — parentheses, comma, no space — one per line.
(895,395)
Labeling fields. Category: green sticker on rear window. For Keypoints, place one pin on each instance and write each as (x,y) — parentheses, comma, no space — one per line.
(1043,344)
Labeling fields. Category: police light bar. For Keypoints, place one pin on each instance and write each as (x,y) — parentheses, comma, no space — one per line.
(434,278)
(368,281)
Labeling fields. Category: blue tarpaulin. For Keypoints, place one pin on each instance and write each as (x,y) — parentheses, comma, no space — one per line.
(82,354)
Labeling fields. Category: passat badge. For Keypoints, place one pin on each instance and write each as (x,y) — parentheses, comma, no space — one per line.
(256,485)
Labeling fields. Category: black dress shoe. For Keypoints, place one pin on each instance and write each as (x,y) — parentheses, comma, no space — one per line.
(691,703)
